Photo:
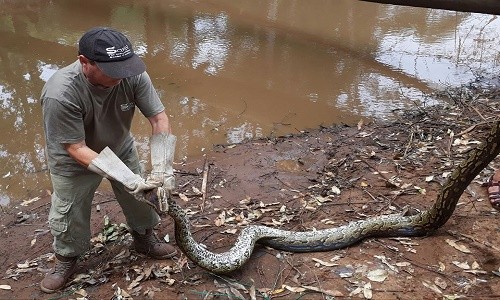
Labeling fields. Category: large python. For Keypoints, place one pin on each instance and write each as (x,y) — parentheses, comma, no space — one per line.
(419,224)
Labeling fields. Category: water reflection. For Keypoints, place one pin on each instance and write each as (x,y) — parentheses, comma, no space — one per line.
(230,70)
(212,45)
(46,70)
(6,99)
(244,132)
(444,56)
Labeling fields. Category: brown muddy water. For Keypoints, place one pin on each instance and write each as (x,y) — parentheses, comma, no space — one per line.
(231,70)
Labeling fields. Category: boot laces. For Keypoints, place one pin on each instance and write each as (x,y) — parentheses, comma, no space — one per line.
(63,267)
(150,239)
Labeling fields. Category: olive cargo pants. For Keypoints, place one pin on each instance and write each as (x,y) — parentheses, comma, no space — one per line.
(69,217)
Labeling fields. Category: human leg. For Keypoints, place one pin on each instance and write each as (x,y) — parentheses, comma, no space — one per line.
(69,222)
(141,218)
(494,190)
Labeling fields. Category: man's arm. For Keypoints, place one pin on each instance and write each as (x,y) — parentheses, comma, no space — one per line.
(160,123)
(81,153)
(108,165)
(84,155)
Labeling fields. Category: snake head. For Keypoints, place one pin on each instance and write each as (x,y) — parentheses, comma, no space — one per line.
(157,199)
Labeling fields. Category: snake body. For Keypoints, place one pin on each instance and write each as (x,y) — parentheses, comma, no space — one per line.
(419,224)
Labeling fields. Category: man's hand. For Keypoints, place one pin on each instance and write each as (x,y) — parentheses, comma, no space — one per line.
(140,185)
(167,181)
(162,156)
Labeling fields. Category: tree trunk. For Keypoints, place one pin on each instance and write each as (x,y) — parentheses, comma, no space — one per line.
(478,6)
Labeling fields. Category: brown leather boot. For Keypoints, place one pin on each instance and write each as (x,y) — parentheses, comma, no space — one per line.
(149,245)
(58,276)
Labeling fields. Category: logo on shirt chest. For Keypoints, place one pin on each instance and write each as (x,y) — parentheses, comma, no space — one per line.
(127,106)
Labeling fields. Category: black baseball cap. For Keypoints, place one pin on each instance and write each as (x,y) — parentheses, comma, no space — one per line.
(112,52)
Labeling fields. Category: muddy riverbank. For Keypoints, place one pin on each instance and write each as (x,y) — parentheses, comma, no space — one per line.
(316,179)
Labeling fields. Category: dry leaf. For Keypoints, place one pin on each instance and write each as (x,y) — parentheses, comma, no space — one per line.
(442,267)
(440,282)
(252,291)
(462,265)
(403,264)
(355,291)
(323,263)
(475,271)
(24,265)
(360,124)
(246,201)
(183,197)
(445,174)
(461,248)
(475,265)
(133,284)
(335,190)
(169,281)
(27,202)
(221,219)
(345,272)
(364,134)
(333,293)
(419,189)
(230,219)
(367,291)
(81,278)
(196,190)
(125,295)
(275,223)
(294,289)
(5,287)
(378,275)
(321,199)
(432,287)
(236,293)
(237,285)
(383,259)
(82,292)
(277,291)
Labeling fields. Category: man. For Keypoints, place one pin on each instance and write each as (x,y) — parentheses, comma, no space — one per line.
(88,108)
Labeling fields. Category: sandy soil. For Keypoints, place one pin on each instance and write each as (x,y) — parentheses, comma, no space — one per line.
(317,179)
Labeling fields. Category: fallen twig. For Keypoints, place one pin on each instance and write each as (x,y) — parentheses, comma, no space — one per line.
(483,244)
(204,184)
(387,180)
(472,127)
(408,146)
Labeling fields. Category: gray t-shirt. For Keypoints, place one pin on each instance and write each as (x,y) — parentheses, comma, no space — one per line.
(75,110)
